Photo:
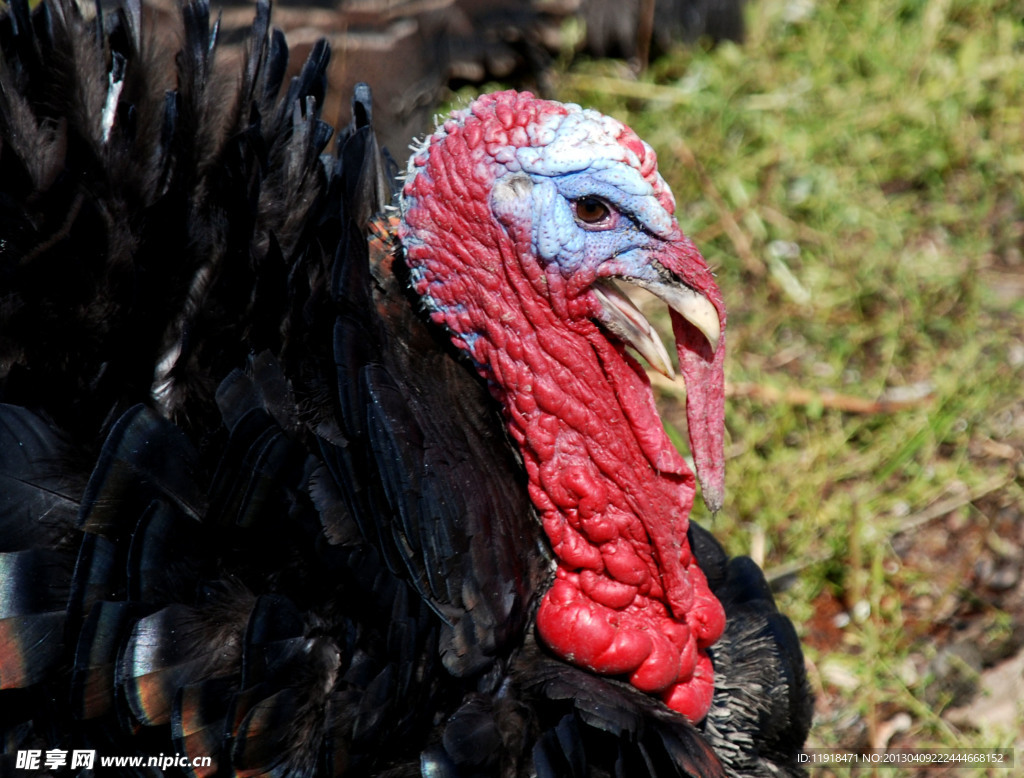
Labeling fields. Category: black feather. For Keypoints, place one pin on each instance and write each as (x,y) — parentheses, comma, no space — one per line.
(33,592)
(39,489)
(762,709)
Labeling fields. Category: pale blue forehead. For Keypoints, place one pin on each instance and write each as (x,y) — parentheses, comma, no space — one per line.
(586,142)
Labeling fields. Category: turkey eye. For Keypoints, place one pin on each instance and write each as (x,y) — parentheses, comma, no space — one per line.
(591,210)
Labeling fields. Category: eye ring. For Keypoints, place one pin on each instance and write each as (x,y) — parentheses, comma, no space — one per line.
(591,211)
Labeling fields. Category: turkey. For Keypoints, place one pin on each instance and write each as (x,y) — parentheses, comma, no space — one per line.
(311,467)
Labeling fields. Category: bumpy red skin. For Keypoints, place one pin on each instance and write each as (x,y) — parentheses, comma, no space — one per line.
(613,493)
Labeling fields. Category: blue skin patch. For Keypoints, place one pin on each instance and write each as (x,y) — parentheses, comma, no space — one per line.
(579,155)
(558,237)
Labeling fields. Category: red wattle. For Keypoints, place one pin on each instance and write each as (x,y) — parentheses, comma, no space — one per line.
(693,698)
(641,640)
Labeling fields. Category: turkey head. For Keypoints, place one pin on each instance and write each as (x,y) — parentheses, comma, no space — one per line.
(520,217)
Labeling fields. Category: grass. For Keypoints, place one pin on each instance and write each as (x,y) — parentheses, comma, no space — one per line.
(854,173)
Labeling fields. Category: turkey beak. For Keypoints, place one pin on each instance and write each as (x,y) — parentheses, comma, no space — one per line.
(621,317)
(625,320)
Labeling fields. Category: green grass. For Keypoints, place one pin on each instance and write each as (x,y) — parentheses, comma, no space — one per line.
(854,173)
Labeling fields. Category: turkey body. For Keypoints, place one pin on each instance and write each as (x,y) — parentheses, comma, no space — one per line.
(265,502)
